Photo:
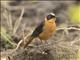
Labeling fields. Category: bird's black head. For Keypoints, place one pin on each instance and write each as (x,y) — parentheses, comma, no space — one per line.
(50,16)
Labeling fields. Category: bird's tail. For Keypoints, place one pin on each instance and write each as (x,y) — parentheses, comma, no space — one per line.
(29,40)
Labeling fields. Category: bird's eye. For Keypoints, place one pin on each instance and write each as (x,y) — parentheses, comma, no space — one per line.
(50,17)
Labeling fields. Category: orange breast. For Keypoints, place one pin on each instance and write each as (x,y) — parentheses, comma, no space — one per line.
(48,30)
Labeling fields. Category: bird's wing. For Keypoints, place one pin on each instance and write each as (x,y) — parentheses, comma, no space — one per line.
(38,30)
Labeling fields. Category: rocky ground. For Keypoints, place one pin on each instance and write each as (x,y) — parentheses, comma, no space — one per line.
(63,45)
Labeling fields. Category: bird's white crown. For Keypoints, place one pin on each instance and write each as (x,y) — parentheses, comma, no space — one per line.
(52,14)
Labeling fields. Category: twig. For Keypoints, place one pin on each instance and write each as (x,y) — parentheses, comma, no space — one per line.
(17,23)
(76,40)
(21,41)
(68,28)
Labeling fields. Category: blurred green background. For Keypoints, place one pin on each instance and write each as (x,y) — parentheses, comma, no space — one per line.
(19,18)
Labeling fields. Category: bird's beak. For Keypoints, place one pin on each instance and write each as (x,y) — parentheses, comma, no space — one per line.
(45,18)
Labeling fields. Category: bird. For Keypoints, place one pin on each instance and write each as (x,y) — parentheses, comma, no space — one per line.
(44,30)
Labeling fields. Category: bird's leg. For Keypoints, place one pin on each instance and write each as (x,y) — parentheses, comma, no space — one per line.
(44,47)
(46,43)
(43,44)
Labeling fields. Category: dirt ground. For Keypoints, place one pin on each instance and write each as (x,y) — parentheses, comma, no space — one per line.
(64,43)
